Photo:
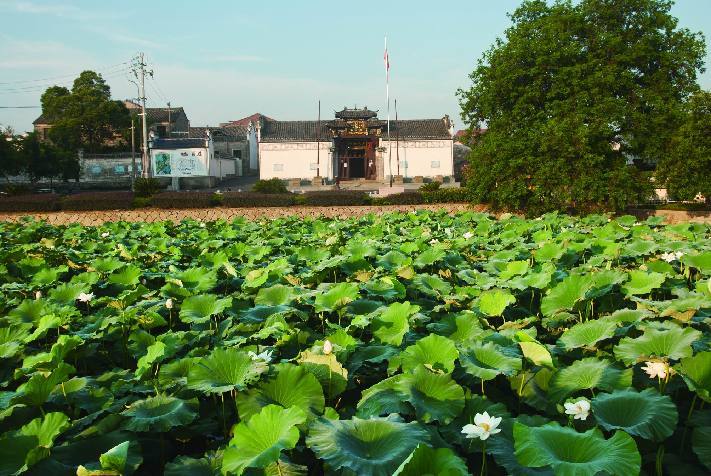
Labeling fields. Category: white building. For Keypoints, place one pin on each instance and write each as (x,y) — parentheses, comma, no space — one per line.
(355,146)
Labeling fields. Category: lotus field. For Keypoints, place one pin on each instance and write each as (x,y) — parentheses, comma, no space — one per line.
(408,344)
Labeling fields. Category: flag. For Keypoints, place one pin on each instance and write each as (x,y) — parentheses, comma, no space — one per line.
(386,58)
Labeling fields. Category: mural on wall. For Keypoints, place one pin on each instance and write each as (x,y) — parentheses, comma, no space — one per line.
(179,162)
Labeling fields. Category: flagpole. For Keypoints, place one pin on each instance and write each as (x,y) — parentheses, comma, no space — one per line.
(387,96)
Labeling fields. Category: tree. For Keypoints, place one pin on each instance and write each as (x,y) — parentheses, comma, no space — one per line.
(686,170)
(10,159)
(45,160)
(85,117)
(573,93)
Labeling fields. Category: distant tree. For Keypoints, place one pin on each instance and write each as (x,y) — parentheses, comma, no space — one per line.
(686,169)
(85,117)
(44,160)
(574,92)
(10,160)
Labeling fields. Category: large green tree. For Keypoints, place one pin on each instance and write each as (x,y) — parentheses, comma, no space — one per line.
(573,95)
(42,160)
(85,117)
(686,169)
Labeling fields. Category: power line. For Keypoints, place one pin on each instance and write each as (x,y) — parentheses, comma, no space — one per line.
(42,88)
(19,107)
(103,68)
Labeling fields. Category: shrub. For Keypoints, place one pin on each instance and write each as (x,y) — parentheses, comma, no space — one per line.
(183,200)
(145,187)
(430,187)
(270,186)
(40,202)
(251,199)
(448,195)
(336,198)
(141,202)
(98,201)
(406,198)
(16,189)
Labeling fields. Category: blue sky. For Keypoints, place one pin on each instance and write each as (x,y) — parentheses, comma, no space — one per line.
(224,60)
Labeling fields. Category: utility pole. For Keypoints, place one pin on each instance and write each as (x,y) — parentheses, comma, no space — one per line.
(139,69)
(133,155)
(168,128)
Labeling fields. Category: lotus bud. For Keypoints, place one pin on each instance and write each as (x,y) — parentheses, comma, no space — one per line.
(38,294)
(327,347)
(169,303)
(105,234)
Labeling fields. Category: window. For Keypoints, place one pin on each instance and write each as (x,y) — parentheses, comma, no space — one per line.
(278,167)
(313,166)
(161,131)
(217,153)
(435,164)
(118,169)
(45,133)
(236,153)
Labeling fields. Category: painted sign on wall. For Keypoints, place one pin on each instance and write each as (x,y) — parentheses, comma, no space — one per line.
(180,162)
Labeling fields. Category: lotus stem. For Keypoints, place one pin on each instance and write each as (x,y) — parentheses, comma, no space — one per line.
(686,423)
(483,458)
(660,460)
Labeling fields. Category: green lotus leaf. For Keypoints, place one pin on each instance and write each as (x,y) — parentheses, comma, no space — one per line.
(549,251)
(426,460)
(276,295)
(106,265)
(392,324)
(124,458)
(30,311)
(625,316)
(463,328)
(332,376)
(126,277)
(284,467)
(67,294)
(434,396)
(570,453)
(46,429)
(224,370)
(376,447)
(700,261)
(160,413)
(259,441)
(431,285)
(639,247)
(383,398)
(586,374)
(641,282)
(154,353)
(700,442)
(47,276)
(646,414)
(37,389)
(386,287)
(293,386)
(210,465)
(435,351)
(534,351)
(566,294)
(487,360)
(199,309)
(429,257)
(673,343)
(12,339)
(696,372)
(14,451)
(514,268)
(587,334)
(336,297)
(495,301)
(197,280)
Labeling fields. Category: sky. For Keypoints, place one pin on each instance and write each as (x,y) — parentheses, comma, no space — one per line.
(226,59)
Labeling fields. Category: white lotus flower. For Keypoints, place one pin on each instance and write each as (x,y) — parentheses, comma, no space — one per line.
(483,427)
(671,256)
(266,356)
(580,409)
(84,297)
(38,294)
(656,369)
(434,241)
(202,225)
(327,347)
(468,235)
(169,303)
(105,234)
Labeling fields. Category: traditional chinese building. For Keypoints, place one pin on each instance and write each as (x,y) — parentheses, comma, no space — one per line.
(354,145)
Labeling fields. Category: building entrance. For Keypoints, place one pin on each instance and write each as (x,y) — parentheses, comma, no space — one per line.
(356,158)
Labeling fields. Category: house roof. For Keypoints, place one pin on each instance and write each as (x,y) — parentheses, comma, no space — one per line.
(244,122)
(356,113)
(170,144)
(308,131)
(160,114)
(41,120)
(220,134)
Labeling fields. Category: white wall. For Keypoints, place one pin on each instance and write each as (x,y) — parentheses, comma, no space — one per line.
(287,160)
(420,157)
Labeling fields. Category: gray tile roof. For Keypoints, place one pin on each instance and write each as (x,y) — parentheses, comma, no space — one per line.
(220,134)
(307,131)
(356,113)
(160,114)
(178,143)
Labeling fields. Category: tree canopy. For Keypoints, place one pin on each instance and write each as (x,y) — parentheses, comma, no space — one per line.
(686,169)
(85,117)
(572,95)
